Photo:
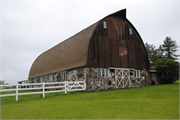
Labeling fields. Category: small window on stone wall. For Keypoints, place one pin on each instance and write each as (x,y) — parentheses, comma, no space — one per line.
(131,72)
(80,73)
(137,74)
(107,72)
(46,78)
(63,76)
(99,73)
(112,70)
(36,80)
(103,72)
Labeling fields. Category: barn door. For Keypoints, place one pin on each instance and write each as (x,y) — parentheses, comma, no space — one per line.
(122,78)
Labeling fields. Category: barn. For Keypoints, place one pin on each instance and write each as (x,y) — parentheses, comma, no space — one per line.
(108,54)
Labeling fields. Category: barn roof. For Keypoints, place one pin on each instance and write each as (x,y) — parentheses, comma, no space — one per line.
(68,54)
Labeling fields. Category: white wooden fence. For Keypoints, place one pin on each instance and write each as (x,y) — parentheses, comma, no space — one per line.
(64,87)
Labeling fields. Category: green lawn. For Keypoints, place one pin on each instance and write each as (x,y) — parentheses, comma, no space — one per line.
(150,102)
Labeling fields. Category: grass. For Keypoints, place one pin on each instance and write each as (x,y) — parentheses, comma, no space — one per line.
(150,102)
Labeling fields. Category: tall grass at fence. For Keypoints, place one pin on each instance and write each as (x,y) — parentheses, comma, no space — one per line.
(149,102)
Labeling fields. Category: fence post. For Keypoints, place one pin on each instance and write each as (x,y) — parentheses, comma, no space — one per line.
(84,85)
(43,90)
(65,87)
(16,92)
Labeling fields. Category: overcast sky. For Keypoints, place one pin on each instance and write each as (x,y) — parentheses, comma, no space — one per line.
(31,27)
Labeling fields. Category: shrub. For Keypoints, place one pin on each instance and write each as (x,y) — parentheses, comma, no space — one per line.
(169,70)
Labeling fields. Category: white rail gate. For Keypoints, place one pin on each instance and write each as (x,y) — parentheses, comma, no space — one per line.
(62,86)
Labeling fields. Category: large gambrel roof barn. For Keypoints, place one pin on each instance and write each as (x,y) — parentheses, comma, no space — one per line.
(111,43)
(116,44)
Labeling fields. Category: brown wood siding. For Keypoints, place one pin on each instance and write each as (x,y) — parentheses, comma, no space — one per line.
(116,47)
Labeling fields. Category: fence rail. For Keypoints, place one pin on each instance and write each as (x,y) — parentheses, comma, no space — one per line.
(65,87)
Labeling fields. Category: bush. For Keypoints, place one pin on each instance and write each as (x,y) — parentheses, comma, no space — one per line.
(168,69)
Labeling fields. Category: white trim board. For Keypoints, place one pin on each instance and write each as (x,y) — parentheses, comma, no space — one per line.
(121,68)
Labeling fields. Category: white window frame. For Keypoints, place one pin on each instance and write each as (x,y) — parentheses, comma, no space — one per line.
(64,75)
(107,72)
(104,25)
(102,72)
(137,73)
(130,31)
(99,72)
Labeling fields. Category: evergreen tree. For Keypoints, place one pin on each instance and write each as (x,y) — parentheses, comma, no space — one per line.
(169,47)
(152,54)
(160,52)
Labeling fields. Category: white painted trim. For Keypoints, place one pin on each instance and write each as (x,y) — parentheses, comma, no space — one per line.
(122,77)
(121,68)
(130,31)
(136,73)
(104,24)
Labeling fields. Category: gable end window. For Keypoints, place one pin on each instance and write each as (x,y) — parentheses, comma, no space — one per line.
(80,73)
(63,75)
(130,31)
(104,25)
(102,72)
(137,74)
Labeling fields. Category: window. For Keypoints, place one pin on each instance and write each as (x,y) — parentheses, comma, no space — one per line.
(103,72)
(130,31)
(104,25)
(80,73)
(36,80)
(107,71)
(63,76)
(99,73)
(137,74)
(57,75)
(46,78)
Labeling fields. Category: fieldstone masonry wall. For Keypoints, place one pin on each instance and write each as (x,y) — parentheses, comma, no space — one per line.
(95,83)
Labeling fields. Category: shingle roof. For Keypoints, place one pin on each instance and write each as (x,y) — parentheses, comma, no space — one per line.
(69,54)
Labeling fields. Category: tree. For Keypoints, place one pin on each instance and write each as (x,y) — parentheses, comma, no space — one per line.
(1,82)
(152,54)
(160,52)
(169,70)
(170,47)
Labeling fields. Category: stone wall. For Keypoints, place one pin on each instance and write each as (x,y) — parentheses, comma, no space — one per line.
(145,79)
(95,83)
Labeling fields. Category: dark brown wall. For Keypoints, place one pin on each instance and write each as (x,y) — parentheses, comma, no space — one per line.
(115,47)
